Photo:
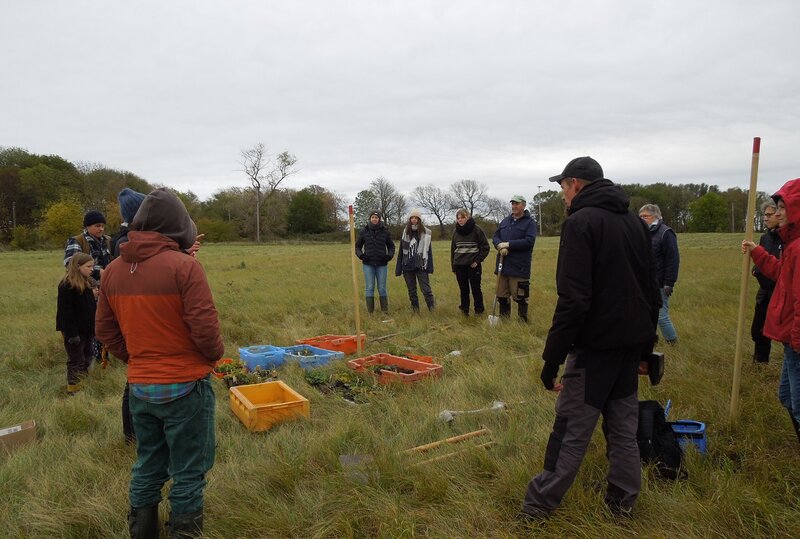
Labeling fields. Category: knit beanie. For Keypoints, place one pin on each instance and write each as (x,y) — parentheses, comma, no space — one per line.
(92,218)
(375,212)
(129,202)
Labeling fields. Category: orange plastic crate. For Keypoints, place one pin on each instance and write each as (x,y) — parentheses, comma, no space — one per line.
(337,343)
(260,406)
(420,369)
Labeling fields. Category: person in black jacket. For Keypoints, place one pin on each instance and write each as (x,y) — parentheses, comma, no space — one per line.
(604,325)
(129,202)
(468,249)
(514,240)
(375,248)
(667,259)
(75,317)
(771,241)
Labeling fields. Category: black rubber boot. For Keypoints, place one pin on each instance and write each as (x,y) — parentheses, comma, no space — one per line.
(796,426)
(505,307)
(370,304)
(185,526)
(522,309)
(143,522)
(384,304)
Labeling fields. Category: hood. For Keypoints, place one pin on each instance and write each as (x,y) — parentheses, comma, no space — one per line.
(163,212)
(142,245)
(790,194)
(601,194)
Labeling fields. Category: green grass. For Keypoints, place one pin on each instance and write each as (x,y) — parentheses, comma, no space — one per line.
(288,482)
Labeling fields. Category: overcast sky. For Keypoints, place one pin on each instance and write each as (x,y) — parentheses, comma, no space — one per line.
(503,92)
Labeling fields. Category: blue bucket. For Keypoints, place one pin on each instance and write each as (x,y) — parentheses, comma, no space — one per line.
(688,431)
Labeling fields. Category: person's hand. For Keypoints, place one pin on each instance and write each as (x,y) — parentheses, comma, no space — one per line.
(644,368)
(74,340)
(747,245)
(196,245)
(549,375)
(503,251)
(502,245)
(668,291)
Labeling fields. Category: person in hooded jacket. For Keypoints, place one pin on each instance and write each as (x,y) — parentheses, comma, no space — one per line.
(783,319)
(375,248)
(156,312)
(771,241)
(514,240)
(604,325)
(415,262)
(468,248)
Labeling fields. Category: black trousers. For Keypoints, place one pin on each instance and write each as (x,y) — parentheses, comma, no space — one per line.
(467,278)
(79,357)
(763,344)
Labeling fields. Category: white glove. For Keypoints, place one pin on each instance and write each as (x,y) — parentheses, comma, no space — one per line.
(502,245)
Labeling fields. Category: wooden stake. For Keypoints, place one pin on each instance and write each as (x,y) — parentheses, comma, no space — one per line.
(453,453)
(452,440)
(355,278)
(748,235)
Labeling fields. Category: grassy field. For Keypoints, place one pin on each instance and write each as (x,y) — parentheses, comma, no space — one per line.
(288,482)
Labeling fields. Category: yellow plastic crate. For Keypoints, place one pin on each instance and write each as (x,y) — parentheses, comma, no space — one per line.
(260,406)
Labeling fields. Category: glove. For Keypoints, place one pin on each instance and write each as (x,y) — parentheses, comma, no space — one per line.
(503,251)
(668,291)
(502,245)
(74,340)
(549,374)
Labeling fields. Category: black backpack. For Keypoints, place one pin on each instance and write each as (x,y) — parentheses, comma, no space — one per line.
(657,443)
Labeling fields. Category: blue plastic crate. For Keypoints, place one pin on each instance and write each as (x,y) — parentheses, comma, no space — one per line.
(688,432)
(318,358)
(264,356)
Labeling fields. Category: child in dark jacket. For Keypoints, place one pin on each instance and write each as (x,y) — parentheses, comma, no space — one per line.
(75,317)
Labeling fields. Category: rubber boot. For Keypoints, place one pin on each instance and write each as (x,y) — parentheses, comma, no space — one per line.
(505,307)
(522,309)
(185,526)
(796,425)
(384,304)
(370,304)
(143,522)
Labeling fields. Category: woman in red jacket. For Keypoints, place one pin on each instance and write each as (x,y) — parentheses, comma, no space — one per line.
(783,320)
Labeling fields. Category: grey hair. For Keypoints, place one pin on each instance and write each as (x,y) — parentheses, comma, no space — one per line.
(652,209)
(768,204)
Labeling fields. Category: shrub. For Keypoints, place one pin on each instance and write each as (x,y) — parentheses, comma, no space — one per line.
(24,238)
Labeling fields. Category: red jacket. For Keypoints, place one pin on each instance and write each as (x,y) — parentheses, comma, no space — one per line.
(783,313)
(156,311)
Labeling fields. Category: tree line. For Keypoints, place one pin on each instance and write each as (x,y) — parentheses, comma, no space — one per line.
(43,198)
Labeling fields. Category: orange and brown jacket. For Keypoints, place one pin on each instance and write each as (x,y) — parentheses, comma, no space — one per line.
(155,309)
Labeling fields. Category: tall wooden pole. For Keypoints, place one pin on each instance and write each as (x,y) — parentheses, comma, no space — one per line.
(355,278)
(748,235)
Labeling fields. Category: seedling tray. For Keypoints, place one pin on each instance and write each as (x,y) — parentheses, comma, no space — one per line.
(265,356)
(337,343)
(260,406)
(398,369)
(308,356)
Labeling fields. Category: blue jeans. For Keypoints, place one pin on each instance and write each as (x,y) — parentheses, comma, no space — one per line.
(373,273)
(664,323)
(176,440)
(789,387)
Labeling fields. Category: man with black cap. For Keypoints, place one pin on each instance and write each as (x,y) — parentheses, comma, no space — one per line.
(604,324)
(514,240)
(91,241)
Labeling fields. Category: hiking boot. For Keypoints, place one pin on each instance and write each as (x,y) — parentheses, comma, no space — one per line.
(143,522)
(185,526)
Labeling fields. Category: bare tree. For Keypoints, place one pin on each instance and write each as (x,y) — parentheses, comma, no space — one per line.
(265,175)
(496,209)
(434,201)
(391,203)
(471,195)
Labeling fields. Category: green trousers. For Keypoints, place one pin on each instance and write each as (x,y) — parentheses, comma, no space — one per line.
(173,440)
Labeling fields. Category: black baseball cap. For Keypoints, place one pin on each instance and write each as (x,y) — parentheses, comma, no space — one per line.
(583,168)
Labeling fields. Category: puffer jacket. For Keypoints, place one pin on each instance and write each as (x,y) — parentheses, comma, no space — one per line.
(783,320)
(374,246)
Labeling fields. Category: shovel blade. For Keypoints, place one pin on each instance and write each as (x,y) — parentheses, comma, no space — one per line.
(493,320)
